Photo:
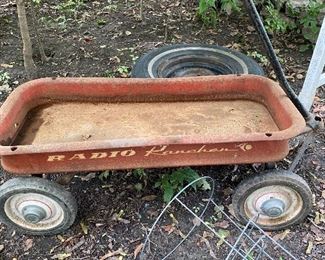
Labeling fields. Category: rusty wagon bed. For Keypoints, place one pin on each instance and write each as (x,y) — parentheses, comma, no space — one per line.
(70,124)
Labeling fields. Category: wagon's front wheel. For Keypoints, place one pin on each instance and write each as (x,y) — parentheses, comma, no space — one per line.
(279,199)
(36,206)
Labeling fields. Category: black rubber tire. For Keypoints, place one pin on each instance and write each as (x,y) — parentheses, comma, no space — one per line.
(197,59)
(280,177)
(40,186)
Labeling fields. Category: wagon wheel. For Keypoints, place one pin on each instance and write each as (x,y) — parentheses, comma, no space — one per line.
(279,199)
(36,206)
(185,60)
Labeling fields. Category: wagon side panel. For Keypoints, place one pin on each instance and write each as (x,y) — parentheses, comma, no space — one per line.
(146,157)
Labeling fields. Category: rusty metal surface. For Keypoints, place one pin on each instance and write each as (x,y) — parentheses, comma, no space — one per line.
(87,121)
(191,145)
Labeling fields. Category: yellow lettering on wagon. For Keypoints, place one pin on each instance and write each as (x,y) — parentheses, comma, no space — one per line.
(163,150)
(127,153)
(53,158)
(78,156)
(98,155)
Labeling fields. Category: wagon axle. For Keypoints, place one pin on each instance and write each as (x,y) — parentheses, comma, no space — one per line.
(273,207)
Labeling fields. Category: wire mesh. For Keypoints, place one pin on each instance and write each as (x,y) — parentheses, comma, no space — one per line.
(221,236)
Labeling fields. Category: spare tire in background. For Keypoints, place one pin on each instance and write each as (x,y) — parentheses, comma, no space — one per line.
(186,60)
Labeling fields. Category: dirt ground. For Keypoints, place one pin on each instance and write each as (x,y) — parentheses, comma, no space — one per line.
(104,38)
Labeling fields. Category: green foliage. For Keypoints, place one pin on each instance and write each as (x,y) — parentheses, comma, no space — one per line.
(274,22)
(303,20)
(142,176)
(258,56)
(230,6)
(207,12)
(123,71)
(101,22)
(109,74)
(175,181)
(37,2)
(309,21)
(140,173)
(104,175)
(70,6)
(4,78)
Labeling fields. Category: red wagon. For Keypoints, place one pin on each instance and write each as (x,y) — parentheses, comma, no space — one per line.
(80,124)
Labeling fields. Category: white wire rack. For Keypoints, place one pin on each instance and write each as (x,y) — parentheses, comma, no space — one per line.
(247,242)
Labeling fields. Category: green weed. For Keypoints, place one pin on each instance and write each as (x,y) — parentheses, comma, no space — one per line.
(274,22)
(4,78)
(207,12)
(309,21)
(171,183)
(70,6)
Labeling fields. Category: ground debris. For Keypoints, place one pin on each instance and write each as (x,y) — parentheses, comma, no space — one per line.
(309,247)
(137,250)
(28,244)
(118,252)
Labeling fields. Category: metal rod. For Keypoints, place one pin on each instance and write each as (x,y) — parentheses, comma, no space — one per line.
(306,141)
(315,76)
(211,229)
(257,21)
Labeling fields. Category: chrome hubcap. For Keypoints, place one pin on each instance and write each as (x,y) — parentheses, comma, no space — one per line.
(33,213)
(273,207)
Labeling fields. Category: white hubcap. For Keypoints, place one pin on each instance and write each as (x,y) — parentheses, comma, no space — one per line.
(34,211)
(282,200)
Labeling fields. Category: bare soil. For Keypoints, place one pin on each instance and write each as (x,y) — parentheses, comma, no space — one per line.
(103,38)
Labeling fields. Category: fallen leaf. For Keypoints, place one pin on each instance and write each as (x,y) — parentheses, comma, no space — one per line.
(61,238)
(319,233)
(6,65)
(84,228)
(61,256)
(251,28)
(222,224)
(222,234)
(309,247)
(137,250)
(115,59)
(207,243)
(207,234)
(231,210)
(317,218)
(175,221)
(282,235)
(196,222)
(168,228)
(114,253)
(149,198)
(28,244)
(76,246)
(88,177)
(300,76)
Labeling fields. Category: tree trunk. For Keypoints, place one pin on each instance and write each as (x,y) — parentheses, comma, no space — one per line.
(38,37)
(29,64)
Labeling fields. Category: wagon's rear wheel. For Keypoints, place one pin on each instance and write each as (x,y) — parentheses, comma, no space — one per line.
(279,199)
(189,60)
(36,206)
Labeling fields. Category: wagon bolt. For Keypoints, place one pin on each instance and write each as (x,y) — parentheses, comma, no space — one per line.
(273,207)
(33,214)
